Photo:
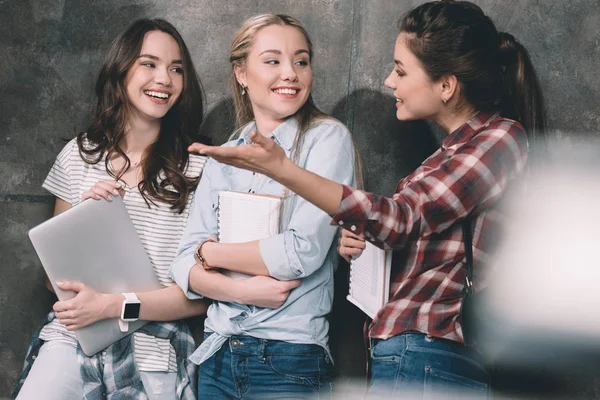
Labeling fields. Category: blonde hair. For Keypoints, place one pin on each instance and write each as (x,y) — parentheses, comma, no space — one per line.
(307,115)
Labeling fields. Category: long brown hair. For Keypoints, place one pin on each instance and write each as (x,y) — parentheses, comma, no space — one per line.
(165,160)
(308,114)
(494,71)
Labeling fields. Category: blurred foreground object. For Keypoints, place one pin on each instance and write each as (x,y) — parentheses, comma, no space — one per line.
(544,297)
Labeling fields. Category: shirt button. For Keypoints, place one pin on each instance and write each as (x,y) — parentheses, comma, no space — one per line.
(33,357)
(235,342)
(353,228)
(340,222)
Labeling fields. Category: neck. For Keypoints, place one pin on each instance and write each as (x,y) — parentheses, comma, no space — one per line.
(450,122)
(139,135)
(266,125)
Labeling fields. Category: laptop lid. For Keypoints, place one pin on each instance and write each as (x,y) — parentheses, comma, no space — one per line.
(95,243)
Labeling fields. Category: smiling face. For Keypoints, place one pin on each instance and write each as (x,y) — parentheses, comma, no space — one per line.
(277,74)
(155,80)
(417,96)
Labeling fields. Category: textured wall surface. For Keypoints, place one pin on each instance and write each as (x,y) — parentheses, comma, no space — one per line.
(50,52)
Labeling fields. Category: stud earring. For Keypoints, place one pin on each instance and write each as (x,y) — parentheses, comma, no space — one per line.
(243,90)
(444,101)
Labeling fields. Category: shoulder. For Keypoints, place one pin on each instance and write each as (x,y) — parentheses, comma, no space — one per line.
(505,132)
(195,165)
(328,129)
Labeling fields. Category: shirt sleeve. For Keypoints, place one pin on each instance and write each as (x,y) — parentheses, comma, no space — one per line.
(302,248)
(474,177)
(201,223)
(59,180)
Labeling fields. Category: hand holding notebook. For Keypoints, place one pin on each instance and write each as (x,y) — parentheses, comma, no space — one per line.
(370,272)
(244,217)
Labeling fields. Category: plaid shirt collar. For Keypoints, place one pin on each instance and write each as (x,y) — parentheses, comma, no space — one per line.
(466,131)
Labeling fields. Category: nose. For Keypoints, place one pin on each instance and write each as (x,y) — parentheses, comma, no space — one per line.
(162,76)
(288,72)
(389,81)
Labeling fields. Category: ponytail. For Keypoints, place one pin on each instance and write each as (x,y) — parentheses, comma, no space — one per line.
(523,100)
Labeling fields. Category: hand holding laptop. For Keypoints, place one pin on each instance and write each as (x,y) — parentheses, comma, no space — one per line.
(88,306)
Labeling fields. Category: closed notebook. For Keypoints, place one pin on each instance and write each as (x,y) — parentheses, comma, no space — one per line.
(245,217)
(370,272)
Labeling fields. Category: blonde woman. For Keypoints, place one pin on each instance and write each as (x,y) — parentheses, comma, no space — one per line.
(278,349)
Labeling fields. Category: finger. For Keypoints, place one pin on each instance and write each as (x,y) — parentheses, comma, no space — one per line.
(199,148)
(72,326)
(59,306)
(293,284)
(261,140)
(101,192)
(71,286)
(347,233)
(353,243)
(89,195)
(109,186)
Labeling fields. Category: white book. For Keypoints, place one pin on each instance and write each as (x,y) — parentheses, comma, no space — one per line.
(370,272)
(245,217)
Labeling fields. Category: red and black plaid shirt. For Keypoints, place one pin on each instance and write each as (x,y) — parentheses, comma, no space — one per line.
(466,177)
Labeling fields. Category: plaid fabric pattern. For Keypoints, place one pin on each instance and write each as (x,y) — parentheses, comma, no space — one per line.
(118,378)
(466,177)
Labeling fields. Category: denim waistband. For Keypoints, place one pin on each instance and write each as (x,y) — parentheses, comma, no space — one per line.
(421,340)
(248,345)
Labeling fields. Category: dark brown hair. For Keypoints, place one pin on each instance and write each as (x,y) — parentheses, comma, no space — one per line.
(494,70)
(165,160)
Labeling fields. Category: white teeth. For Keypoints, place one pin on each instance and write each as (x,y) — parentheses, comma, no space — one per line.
(400,100)
(158,95)
(285,91)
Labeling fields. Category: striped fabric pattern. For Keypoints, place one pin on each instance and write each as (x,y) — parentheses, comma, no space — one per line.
(158,227)
(467,177)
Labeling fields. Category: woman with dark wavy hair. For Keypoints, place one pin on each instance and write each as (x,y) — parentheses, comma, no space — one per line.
(451,66)
(148,109)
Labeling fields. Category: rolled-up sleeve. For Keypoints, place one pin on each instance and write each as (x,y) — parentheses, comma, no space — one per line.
(302,248)
(201,223)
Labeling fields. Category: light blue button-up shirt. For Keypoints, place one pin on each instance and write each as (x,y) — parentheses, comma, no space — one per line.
(304,249)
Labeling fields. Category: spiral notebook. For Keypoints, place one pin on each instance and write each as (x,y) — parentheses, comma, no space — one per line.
(370,272)
(244,217)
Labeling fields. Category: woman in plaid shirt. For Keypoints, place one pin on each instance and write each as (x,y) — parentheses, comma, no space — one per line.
(453,67)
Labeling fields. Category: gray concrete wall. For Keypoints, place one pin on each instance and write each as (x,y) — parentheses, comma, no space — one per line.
(50,52)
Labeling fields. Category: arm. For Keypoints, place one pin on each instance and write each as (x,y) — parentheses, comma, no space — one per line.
(476,175)
(89,306)
(265,157)
(195,281)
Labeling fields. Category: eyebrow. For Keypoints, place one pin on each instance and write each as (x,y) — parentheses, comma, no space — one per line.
(279,52)
(150,56)
(398,62)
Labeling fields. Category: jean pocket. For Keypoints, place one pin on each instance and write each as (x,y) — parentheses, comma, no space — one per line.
(310,370)
(444,384)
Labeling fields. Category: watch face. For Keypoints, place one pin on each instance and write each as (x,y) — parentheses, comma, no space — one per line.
(132,311)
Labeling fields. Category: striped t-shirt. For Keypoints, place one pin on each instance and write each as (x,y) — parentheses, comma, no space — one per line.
(158,226)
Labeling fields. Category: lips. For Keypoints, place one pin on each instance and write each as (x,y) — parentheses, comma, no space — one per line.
(286,91)
(159,97)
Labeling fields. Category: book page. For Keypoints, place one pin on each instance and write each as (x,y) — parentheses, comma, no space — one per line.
(245,217)
(370,279)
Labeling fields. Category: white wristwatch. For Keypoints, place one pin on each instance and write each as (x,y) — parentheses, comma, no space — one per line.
(130,311)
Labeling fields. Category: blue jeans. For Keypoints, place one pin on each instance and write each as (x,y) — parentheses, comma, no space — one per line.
(415,365)
(251,368)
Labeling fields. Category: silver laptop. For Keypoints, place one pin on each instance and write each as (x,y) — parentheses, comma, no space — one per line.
(95,243)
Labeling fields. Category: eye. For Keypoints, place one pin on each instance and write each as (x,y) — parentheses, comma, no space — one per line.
(302,63)
(148,64)
(272,62)
(177,70)
(400,73)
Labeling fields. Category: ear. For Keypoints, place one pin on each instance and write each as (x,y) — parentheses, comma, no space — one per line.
(449,88)
(240,75)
